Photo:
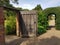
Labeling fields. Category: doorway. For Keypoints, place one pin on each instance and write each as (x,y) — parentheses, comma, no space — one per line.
(51,21)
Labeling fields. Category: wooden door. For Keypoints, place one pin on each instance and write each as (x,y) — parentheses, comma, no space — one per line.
(30,20)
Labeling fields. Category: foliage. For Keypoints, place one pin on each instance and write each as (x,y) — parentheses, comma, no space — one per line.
(41,30)
(7,2)
(56,11)
(42,23)
(38,7)
(14,1)
(19,8)
(10,22)
(42,20)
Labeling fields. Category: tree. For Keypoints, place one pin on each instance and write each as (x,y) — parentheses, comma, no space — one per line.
(7,2)
(14,1)
(38,7)
(19,8)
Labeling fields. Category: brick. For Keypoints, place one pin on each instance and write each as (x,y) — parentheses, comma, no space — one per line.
(2,35)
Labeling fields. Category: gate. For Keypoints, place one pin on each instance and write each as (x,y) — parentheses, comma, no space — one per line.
(26,23)
(30,21)
(2,29)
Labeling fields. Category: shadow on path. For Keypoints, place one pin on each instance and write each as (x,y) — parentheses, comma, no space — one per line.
(48,41)
(17,41)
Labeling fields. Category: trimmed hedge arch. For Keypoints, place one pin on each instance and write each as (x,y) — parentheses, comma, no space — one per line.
(56,11)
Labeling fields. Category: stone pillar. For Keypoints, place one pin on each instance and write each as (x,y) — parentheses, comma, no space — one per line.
(2,31)
(17,25)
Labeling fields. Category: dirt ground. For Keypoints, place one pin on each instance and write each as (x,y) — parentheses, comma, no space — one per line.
(51,37)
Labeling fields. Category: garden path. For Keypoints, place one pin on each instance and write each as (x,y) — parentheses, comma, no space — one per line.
(51,37)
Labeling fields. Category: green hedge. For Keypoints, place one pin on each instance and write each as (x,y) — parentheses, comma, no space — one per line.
(41,30)
(56,11)
(42,23)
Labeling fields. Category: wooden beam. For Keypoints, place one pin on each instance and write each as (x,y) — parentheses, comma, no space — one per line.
(17,25)
(10,8)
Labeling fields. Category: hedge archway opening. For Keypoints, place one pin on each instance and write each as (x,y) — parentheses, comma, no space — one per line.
(51,20)
(56,11)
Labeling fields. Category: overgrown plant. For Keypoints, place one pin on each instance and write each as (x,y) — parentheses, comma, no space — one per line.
(42,23)
(10,22)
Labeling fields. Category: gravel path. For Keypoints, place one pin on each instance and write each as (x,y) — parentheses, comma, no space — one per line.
(52,37)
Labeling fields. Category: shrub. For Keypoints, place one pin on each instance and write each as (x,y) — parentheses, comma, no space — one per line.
(10,23)
(41,30)
(42,23)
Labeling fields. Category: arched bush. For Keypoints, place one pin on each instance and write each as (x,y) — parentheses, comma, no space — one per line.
(56,11)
